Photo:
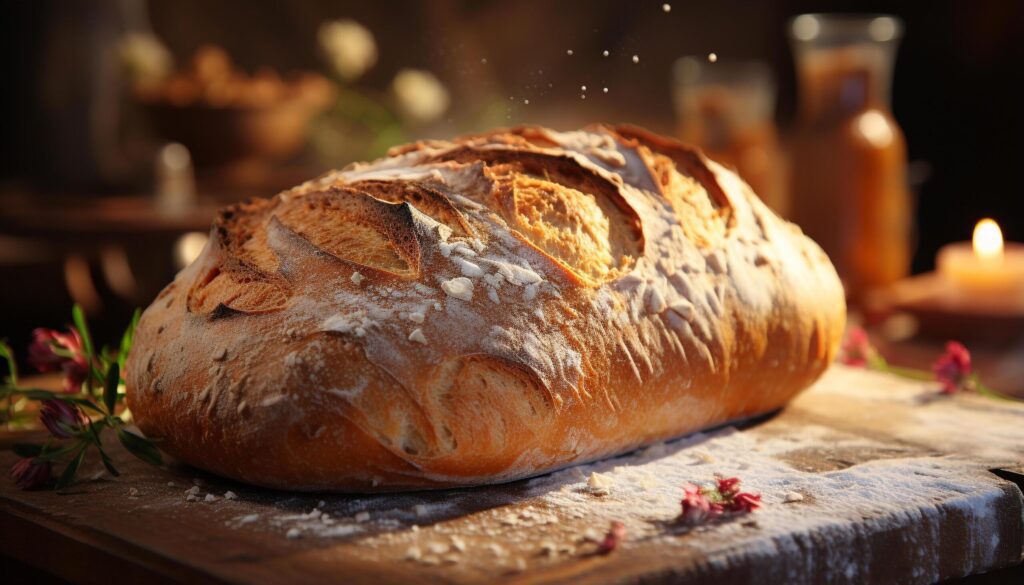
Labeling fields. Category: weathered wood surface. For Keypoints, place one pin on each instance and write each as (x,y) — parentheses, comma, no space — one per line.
(895,484)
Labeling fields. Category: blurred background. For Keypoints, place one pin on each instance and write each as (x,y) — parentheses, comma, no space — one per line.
(127,123)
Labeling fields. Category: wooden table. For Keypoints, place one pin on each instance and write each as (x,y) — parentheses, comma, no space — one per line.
(865,478)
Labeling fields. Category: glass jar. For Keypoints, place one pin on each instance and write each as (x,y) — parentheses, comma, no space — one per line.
(726,108)
(848,156)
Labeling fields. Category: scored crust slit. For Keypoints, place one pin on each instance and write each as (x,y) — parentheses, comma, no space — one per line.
(480,310)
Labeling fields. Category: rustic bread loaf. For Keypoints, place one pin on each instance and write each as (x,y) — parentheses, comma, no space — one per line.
(481,310)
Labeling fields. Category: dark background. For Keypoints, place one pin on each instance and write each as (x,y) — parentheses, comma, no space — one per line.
(956,90)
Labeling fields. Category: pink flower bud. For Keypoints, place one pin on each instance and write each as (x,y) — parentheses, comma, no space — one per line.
(62,419)
(953,369)
(31,474)
(40,351)
(52,350)
(857,349)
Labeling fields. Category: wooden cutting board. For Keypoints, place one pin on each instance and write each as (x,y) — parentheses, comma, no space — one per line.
(865,478)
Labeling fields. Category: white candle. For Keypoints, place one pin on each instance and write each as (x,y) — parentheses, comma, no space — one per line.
(985,268)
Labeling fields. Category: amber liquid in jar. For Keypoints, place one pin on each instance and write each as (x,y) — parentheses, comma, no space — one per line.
(848,155)
(726,109)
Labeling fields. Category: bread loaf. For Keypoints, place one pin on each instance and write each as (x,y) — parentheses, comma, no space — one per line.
(481,310)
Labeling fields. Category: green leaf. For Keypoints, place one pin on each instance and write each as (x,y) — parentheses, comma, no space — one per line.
(12,366)
(37,394)
(110,388)
(49,454)
(128,338)
(68,475)
(86,403)
(140,447)
(27,449)
(109,464)
(92,432)
(78,315)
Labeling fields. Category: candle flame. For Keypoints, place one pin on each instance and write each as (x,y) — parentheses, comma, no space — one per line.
(988,240)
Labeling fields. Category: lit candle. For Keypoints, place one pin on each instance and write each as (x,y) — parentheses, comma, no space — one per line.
(986,268)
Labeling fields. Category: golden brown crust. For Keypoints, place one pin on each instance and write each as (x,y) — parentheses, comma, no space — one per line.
(481,310)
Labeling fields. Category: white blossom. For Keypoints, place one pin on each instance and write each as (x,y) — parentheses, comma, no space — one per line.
(419,95)
(349,46)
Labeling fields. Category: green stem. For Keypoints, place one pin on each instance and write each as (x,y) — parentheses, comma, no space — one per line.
(911,373)
(12,366)
(878,363)
(989,392)
(12,378)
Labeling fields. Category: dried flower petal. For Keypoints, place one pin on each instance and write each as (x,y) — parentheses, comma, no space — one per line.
(62,419)
(615,536)
(953,369)
(31,473)
(744,502)
(728,486)
(696,507)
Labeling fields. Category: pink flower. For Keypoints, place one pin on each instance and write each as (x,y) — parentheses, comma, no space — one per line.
(63,420)
(696,507)
(953,369)
(615,536)
(31,474)
(744,502)
(701,504)
(857,350)
(52,350)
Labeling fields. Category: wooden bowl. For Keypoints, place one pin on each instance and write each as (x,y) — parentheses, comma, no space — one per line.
(220,136)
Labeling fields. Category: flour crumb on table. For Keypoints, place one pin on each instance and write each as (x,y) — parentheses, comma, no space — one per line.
(598,484)
(437,548)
